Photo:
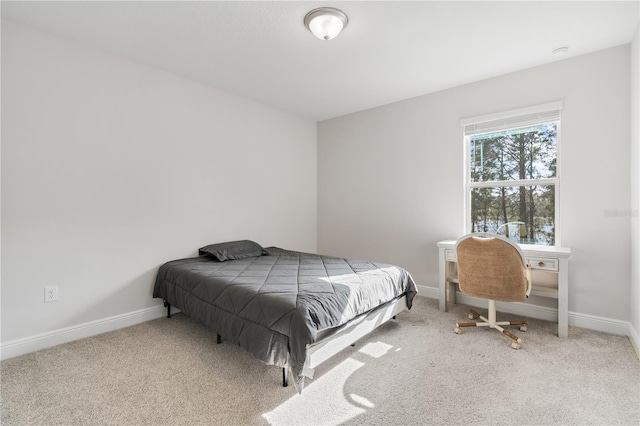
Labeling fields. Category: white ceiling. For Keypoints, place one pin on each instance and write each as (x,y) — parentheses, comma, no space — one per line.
(389,51)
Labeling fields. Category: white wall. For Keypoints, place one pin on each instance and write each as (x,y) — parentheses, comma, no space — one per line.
(390,179)
(110,168)
(635,188)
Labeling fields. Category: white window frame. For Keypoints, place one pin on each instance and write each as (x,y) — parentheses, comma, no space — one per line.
(502,121)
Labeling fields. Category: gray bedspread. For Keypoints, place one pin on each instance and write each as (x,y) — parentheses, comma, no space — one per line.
(274,305)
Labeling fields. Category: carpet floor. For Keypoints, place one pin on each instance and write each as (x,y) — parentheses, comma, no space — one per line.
(411,371)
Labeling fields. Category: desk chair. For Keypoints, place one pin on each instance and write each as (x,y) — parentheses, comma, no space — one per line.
(516,231)
(492,267)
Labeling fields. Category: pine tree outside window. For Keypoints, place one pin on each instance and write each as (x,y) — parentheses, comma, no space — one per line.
(512,174)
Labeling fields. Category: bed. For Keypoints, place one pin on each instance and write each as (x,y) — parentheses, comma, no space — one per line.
(286,308)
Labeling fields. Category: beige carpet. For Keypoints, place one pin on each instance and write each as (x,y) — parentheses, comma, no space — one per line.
(411,371)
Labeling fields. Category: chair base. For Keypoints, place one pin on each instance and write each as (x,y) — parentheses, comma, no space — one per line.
(492,323)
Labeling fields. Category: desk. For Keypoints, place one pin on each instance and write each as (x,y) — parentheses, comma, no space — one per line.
(553,260)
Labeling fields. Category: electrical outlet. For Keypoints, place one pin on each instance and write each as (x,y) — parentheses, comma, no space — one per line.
(50,293)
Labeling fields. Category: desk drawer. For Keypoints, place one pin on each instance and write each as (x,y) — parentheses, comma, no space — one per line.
(543,263)
(450,255)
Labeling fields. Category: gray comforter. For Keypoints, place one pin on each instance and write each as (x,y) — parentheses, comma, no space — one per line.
(275,305)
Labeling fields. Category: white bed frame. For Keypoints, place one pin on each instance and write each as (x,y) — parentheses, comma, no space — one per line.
(344,336)
(349,333)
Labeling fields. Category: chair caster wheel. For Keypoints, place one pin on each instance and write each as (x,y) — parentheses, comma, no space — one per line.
(523,328)
(457,330)
(515,345)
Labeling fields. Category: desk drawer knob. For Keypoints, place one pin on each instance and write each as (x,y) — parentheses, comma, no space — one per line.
(541,263)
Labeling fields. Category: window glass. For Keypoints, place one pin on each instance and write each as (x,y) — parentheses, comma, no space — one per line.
(525,214)
(512,174)
(514,154)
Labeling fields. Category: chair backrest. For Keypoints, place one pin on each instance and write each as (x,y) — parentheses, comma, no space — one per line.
(491,267)
(514,230)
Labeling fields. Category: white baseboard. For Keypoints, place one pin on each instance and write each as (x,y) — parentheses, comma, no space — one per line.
(25,345)
(430,292)
(56,337)
(591,322)
(635,339)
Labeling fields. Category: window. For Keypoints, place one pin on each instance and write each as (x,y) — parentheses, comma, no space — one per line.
(512,174)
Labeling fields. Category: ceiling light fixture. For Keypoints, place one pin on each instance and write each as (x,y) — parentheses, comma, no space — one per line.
(326,22)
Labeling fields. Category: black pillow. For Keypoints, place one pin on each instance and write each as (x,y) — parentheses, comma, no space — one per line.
(232,250)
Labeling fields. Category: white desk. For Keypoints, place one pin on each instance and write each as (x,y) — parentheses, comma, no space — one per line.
(554,260)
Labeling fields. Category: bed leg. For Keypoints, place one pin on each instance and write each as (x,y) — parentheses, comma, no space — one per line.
(218,338)
(285,383)
(168,306)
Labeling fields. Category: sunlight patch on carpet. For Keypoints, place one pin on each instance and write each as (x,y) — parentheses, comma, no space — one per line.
(375,350)
(361,400)
(322,399)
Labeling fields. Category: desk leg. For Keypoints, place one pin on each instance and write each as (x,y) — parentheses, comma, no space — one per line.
(563,299)
(451,290)
(442,281)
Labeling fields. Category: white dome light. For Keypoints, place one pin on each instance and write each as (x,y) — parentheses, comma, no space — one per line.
(325,22)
